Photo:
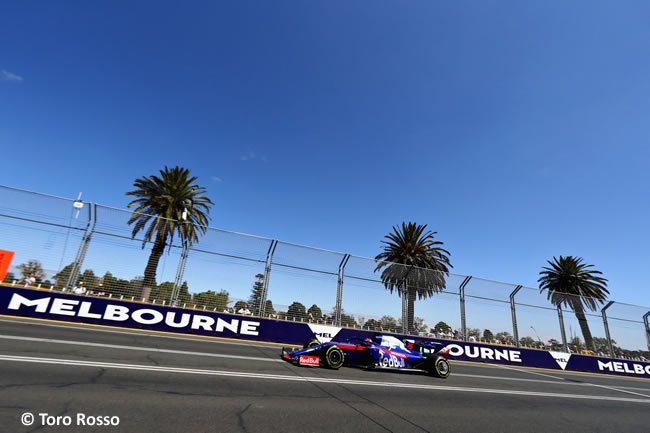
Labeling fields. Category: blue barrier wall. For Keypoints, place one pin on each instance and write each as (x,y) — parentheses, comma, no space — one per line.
(18,301)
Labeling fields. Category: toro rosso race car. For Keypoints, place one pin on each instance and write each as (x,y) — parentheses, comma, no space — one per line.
(381,351)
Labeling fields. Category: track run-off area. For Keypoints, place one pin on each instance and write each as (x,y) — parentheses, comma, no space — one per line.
(156,382)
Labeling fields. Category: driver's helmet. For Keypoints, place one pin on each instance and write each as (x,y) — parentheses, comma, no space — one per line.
(409,344)
(368,341)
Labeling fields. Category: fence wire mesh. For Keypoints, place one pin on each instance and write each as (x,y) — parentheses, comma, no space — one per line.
(75,245)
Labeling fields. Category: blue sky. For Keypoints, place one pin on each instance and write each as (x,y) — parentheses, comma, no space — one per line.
(517,130)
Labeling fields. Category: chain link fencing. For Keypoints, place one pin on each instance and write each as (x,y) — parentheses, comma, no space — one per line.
(91,248)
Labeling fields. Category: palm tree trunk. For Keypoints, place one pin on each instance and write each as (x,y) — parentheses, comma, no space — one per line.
(157,251)
(411,310)
(584,327)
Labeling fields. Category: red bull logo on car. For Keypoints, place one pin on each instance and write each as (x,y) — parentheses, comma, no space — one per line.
(311,361)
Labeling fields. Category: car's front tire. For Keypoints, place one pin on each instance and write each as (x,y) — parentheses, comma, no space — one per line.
(333,357)
(439,367)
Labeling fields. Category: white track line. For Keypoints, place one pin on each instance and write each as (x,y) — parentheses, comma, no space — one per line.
(148,368)
(252,358)
(218,340)
(562,379)
(619,390)
(145,333)
(146,349)
(553,382)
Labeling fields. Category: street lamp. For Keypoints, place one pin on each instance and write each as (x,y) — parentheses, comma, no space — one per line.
(537,335)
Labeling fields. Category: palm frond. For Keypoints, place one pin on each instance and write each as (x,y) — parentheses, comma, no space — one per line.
(160,203)
(412,258)
(571,283)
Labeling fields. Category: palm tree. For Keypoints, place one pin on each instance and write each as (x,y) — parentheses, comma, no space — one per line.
(572,284)
(165,206)
(414,264)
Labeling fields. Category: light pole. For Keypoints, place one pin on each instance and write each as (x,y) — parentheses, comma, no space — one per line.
(537,335)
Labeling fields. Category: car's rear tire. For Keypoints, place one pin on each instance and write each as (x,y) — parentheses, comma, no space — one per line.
(333,357)
(310,343)
(439,367)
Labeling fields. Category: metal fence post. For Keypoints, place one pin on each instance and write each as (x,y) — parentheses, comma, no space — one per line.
(339,290)
(647,327)
(562,331)
(515,329)
(609,338)
(267,276)
(83,247)
(405,308)
(463,321)
(180,271)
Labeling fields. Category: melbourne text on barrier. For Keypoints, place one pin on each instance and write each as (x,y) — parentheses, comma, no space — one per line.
(122,313)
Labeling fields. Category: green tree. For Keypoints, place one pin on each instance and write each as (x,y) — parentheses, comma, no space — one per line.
(419,325)
(254,301)
(602,345)
(527,341)
(487,335)
(33,268)
(221,301)
(474,332)
(315,312)
(372,324)
(296,311)
(184,296)
(268,309)
(108,279)
(239,305)
(211,300)
(414,264)
(571,283)
(503,336)
(89,279)
(114,286)
(554,344)
(134,287)
(442,327)
(575,344)
(348,321)
(165,206)
(62,276)
(389,323)
(162,292)
(9,278)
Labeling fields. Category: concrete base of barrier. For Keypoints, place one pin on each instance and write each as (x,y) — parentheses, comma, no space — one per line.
(18,301)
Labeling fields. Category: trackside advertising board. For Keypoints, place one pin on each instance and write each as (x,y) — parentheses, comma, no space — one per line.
(510,355)
(18,301)
(5,260)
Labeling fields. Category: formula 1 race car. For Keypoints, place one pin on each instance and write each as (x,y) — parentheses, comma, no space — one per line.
(381,351)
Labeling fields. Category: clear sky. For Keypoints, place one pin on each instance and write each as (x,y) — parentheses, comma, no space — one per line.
(518,131)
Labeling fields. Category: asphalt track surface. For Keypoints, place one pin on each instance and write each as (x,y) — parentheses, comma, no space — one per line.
(163,383)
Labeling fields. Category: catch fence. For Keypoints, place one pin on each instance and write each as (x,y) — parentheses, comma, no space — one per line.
(77,242)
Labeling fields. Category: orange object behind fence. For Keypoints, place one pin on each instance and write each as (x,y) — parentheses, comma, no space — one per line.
(5,260)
